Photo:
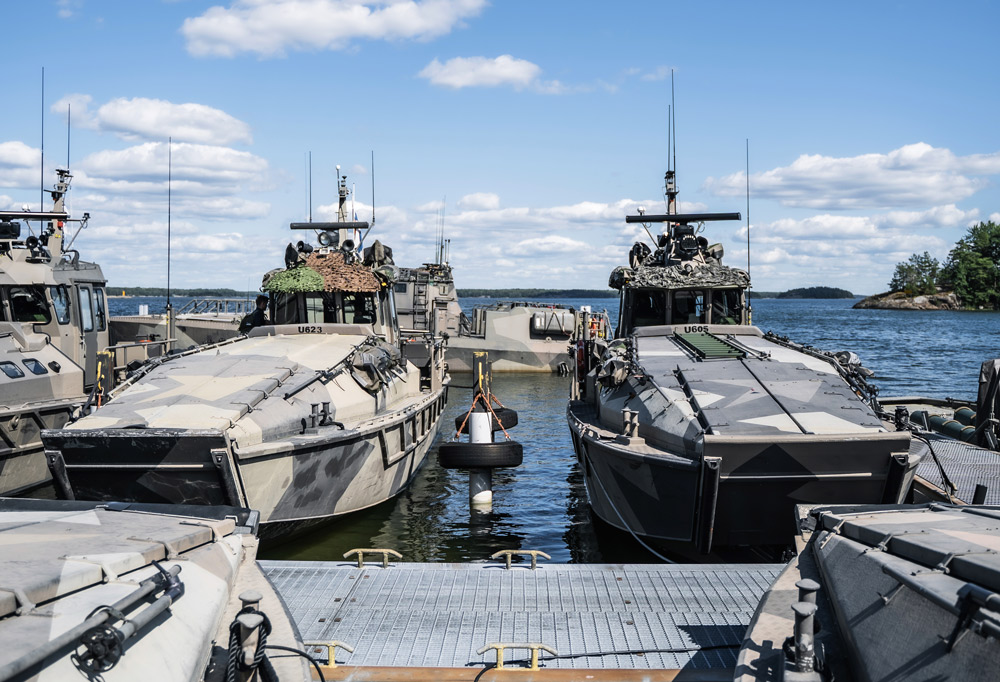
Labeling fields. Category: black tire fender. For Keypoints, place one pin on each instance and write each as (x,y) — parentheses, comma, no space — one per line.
(505,453)
(507,417)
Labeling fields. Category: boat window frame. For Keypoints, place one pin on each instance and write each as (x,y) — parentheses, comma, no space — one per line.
(86,311)
(34,366)
(11,370)
(63,296)
(736,311)
(699,317)
(37,294)
(100,310)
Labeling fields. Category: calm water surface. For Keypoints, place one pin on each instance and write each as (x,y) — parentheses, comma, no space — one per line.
(542,504)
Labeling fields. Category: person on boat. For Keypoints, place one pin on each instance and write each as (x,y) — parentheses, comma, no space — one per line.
(258,318)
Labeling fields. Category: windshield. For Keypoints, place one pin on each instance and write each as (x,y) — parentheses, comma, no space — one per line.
(726,307)
(27,304)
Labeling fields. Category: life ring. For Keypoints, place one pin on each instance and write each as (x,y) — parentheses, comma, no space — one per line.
(456,455)
(507,416)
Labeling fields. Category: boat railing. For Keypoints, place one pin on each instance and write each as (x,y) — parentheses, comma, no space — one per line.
(217,306)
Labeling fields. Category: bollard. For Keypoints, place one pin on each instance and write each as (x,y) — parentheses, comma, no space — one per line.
(805,652)
(249,630)
(807,590)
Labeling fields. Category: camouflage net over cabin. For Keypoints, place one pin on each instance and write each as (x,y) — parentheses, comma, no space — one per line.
(323,272)
(684,276)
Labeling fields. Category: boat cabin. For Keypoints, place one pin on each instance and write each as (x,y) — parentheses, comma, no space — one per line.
(652,307)
(682,282)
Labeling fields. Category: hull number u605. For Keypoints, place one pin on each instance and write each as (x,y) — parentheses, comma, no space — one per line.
(692,329)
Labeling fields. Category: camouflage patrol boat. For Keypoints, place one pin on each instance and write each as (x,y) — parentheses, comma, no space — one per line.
(53,322)
(124,592)
(324,412)
(697,430)
(519,336)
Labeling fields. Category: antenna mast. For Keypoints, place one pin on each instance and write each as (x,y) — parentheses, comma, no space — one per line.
(373,192)
(41,178)
(310,186)
(169,179)
(69,114)
(750,286)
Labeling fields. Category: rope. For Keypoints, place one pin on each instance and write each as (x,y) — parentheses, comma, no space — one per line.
(315,663)
(267,672)
(489,408)
(625,525)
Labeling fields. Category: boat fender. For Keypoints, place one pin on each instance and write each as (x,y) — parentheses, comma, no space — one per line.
(456,455)
(507,417)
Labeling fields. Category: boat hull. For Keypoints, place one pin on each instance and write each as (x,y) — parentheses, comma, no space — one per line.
(22,456)
(535,356)
(293,483)
(737,491)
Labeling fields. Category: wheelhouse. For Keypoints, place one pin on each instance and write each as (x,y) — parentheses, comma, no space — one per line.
(642,307)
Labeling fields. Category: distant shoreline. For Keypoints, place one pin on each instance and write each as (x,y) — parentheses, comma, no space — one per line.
(521,294)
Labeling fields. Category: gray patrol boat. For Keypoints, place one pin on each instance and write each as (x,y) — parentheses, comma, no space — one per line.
(53,322)
(696,430)
(519,336)
(324,412)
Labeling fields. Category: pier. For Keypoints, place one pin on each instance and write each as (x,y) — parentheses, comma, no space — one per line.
(428,621)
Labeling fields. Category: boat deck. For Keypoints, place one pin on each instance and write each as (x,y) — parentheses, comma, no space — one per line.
(965,465)
(596,616)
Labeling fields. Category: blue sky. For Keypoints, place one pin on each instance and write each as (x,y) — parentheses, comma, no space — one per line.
(537,125)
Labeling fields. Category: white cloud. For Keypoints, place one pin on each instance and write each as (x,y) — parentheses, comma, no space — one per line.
(141,118)
(995,217)
(145,165)
(465,72)
(479,201)
(657,74)
(913,175)
(270,27)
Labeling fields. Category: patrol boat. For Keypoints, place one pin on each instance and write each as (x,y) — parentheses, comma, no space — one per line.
(322,413)
(519,336)
(53,322)
(696,430)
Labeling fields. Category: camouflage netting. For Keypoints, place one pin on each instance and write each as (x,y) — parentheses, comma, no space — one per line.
(682,276)
(324,272)
(299,278)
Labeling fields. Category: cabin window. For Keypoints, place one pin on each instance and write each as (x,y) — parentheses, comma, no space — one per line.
(60,303)
(400,287)
(34,366)
(28,304)
(649,307)
(726,307)
(86,311)
(11,370)
(359,308)
(689,306)
(100,312)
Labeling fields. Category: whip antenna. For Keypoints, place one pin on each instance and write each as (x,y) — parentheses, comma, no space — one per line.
(748,206)
(673,118)
(41,179)
(69,113)
(169,178)
(310,186)
(750,286)
(373,191)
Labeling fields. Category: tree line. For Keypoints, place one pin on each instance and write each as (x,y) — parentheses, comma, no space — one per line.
(972,270)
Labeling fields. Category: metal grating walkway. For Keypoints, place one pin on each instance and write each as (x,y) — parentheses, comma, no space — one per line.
(965,464)
(437,615)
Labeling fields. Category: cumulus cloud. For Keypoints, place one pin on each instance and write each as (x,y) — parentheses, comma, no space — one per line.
(269,28)
(479,201)
(483,72)
(913,175)
(191,163)
(140,118)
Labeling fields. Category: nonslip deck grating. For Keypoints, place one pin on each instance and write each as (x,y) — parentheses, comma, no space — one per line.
(437,615)
(966,465)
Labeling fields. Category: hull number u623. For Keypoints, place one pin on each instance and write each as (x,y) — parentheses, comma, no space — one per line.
(310,330)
